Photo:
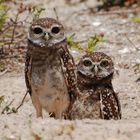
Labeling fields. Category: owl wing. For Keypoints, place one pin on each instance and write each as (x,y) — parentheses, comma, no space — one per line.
(110,105)
(69,71)
(27,72)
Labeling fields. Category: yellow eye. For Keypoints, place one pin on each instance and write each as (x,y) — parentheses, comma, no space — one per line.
(87,63)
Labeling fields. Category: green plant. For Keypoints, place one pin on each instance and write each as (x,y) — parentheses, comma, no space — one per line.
(91,43)
(136,68)
(37,11)
(3,13)
(2,67)
(72,43)
(136,19)
(6,107)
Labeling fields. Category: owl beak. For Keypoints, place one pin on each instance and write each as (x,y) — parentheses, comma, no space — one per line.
(95,69)
(46,36)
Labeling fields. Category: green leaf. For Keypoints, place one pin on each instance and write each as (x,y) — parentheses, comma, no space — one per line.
(37,11)
(91,44)
(3,14)
(72,43)
(2,19)
(136,19)
(136,68)
(2,67)
(93,41)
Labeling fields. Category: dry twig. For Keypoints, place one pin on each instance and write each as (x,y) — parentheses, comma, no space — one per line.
(2,73)
(131,41)
(23,99)
(55,11)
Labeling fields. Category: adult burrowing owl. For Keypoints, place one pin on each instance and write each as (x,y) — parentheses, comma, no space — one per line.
(49,69)
(97,98)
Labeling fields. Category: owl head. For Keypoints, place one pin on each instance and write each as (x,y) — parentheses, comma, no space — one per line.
(46,32)
(96,65)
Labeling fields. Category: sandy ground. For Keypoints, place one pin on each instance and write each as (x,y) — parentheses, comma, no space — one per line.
(123,46)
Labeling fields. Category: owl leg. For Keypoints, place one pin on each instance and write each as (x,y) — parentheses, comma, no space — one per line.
(37,138)
(59,107)
(59,112)
(37,106)
(39,112)
(58,115)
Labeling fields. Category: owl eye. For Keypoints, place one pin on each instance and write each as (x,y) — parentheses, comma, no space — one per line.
(38,30)
(104,63)
(87,63)
(55,30)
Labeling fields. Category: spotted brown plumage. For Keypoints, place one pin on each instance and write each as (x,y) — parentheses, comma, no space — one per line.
(110,106)
(49,68)
(97,98)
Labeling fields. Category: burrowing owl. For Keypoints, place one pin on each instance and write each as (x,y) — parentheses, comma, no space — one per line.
(49,68)
(97,98)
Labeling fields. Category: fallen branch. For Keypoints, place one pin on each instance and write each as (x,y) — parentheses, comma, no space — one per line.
(16,110)
(2,73)
(13,109)
(131,42)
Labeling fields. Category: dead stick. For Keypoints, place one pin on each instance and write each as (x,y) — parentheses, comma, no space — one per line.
(131,42)
(2,73)
(13,32)
(16,110)
(138,80)
(55,11)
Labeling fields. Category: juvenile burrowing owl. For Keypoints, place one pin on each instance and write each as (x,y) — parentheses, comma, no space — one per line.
(49,69)
(97,98)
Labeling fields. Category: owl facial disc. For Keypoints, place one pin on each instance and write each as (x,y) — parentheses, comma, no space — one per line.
(92,67)
(46,34)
